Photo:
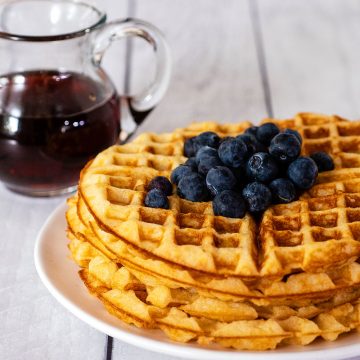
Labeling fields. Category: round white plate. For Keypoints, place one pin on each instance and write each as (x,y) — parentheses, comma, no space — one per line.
(59,275)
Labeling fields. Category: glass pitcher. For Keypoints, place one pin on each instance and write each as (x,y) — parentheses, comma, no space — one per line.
(58,108)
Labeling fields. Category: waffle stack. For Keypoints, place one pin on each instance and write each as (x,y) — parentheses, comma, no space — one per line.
(289,278)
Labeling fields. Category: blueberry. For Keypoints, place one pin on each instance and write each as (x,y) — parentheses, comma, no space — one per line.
(323,161)
(192,187)
(155,198)
(219,179)
(161,183)
(208,163)
(189,149)
(285,148)
(205,151)
(303,172)
(233,152)
(179,172)
(251,130)
(191,162)
(207,138)
(283,191)
(295,133)
(266,132)
(252,143)
(230,204)
(257,197)
(262,167)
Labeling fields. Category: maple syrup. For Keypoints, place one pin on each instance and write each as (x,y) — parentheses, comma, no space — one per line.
(51,124)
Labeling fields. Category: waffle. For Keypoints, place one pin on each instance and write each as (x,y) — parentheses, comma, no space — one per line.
(289,278)
(189,235)
(184,316)
(296,289)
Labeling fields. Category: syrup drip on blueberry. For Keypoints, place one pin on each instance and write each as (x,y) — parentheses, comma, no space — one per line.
(248,172)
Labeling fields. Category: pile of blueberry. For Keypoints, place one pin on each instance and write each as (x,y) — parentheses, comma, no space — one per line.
(247,172)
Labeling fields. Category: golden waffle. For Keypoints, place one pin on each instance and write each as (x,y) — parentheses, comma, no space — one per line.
(190,236)
(297,289)
(184,317)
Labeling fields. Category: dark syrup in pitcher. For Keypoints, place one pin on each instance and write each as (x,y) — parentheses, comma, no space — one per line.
(51,124)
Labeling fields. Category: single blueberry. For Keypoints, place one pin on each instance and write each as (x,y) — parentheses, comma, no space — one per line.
(257,197)
(189,149)
(230,204)
(233,152)
(295,133)
(303,172)
(155,198)
(323,161)
(283,191)
(266,132)
(252,143)
(219,179)
(191,162)
(207,138)
(251,130)
(162,183)
(262,167)
(205,151)
(285,148)
(192,187)
(208,163)
(179,172)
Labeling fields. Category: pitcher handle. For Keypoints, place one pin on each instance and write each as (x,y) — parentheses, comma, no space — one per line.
(146,100)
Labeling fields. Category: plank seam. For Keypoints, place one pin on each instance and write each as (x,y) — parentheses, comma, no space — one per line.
(261,56)
(131,10)
(109,347)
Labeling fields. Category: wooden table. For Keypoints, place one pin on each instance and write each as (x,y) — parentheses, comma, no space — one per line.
(233,60)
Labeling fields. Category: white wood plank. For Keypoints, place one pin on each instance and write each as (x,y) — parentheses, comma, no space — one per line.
(129,352)
(312,58)
(215,75)
(215,70)
(32,323)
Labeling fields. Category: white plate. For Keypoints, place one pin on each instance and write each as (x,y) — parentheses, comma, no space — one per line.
(59,275)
